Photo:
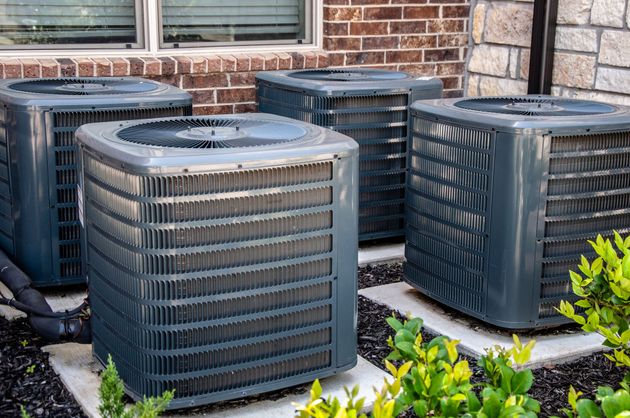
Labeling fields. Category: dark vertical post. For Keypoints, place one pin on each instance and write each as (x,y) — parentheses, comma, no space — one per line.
(543,40)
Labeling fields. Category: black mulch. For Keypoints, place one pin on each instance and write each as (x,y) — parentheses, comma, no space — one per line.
(551,384)
(41,392)
(26,377)
(380,274)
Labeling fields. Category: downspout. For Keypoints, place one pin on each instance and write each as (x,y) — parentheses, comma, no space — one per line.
(542,46)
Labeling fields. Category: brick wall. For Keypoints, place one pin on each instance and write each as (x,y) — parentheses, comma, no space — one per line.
(592,57)
(423,37)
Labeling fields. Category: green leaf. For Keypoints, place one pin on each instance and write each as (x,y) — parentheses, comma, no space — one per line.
(436,384)
(316,390)
(407,349)
(616,404)
(586,408)
(522,382)
(491,406)
(404,335)
(625,266)
(420,408)
(583,303)
(507,373)
(473,402)
(394,323)
(414,325)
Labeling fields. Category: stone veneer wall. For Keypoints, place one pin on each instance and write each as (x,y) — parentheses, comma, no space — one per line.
(424,37)
(592,58)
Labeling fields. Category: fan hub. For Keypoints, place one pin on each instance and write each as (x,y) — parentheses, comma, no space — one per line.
(346,76)
(79,87)
(212,133)
(533,107)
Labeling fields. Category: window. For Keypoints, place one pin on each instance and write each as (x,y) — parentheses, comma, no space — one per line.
(72,23)
(195,22)
(153,25)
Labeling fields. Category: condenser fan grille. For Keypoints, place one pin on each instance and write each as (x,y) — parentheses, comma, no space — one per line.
(349,75)
(85,86)
(535,106)
(212,133)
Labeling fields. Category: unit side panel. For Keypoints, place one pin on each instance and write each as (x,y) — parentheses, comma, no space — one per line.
(62,171)
(6,198)
(225,284)
(448,213)
(586,193)
(379,123)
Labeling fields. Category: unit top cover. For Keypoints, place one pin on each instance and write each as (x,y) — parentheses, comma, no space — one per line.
(535,112)
(351,81)
(202,143)
(81,91)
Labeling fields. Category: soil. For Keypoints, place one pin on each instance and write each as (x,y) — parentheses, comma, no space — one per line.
(41,392)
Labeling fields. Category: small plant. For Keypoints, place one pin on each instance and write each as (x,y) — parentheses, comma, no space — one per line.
(607,403)
(23,412)
(505,391)
(434,382)
(24,343)
(318,408)
(604,292)
(111,394)
(31,369)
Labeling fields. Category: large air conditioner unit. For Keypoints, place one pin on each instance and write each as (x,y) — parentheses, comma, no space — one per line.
(222,253)
(371,106)
(39,227)
(504,193)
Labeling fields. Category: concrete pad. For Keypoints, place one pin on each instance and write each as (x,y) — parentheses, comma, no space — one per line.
(381,254)
(58,299)
(79,372)
(549,349)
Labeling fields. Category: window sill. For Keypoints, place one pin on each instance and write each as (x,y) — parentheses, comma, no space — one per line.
(160,67)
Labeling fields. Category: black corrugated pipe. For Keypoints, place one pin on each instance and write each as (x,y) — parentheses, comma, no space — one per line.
(542,47)
(71,325)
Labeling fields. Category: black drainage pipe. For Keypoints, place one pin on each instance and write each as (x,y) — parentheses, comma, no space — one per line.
(72,326)
(542,47)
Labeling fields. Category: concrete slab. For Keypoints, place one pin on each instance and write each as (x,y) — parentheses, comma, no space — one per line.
(549,349)
(381,254)
(79,372)
(58,299)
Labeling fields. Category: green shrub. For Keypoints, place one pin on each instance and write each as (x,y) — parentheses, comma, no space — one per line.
(607,403)
(434,382)
(604,292)
(111,394)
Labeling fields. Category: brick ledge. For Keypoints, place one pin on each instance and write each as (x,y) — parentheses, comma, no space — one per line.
(159,66)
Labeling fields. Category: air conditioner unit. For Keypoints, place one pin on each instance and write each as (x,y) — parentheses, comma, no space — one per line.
(504,193)
(371,106)
(39,226)
(222,253)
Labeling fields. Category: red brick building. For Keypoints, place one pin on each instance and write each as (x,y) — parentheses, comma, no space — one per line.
(423,37)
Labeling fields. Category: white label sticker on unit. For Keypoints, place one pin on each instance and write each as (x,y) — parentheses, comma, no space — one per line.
(80,203)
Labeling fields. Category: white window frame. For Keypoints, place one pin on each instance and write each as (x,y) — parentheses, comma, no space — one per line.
(149,41)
